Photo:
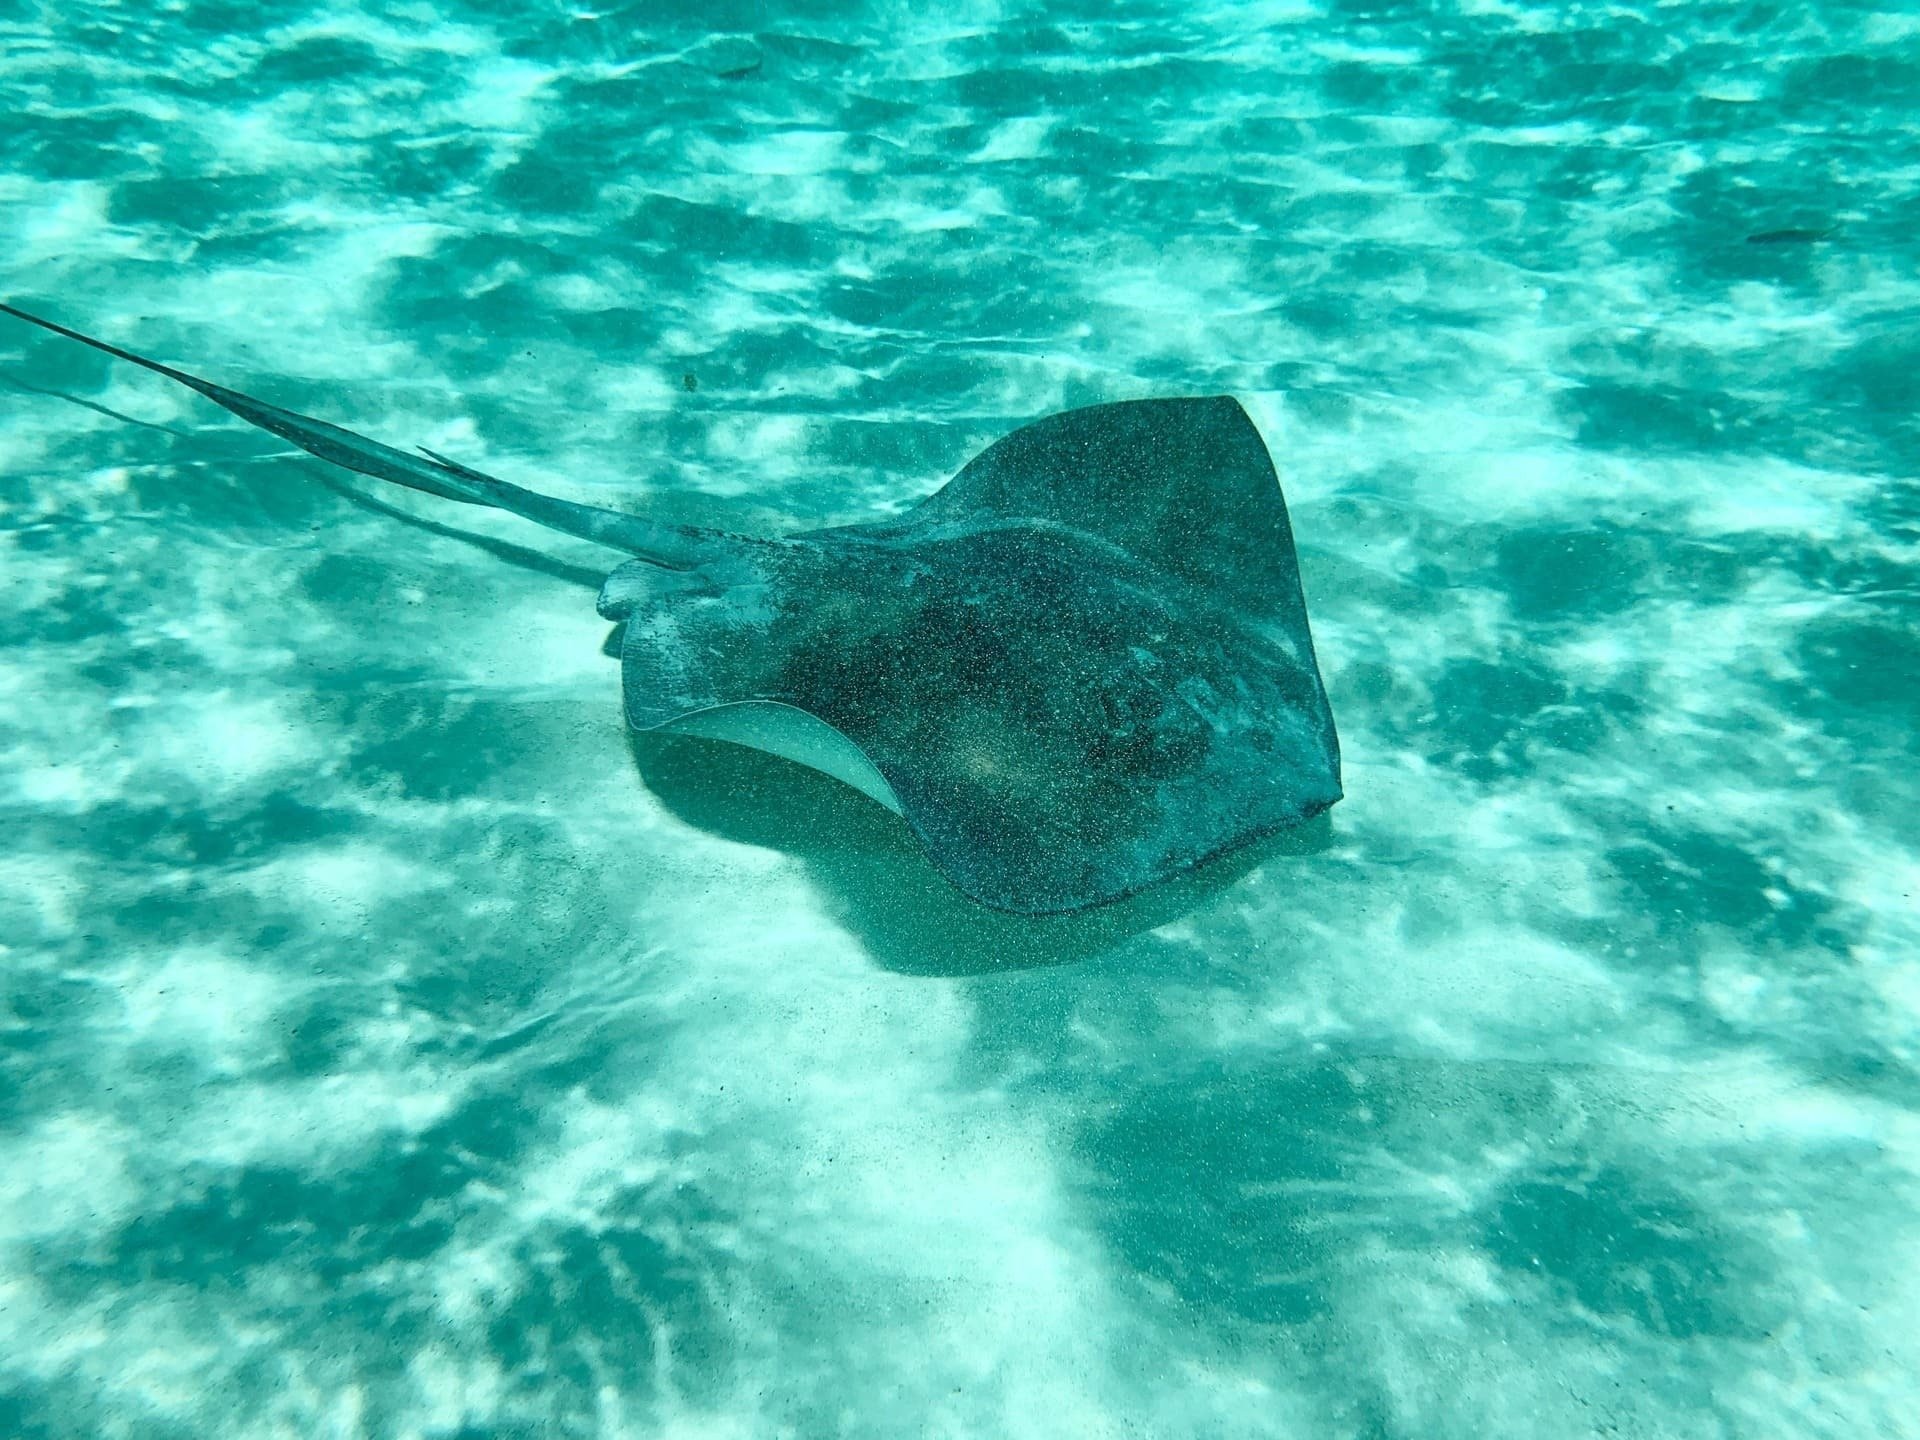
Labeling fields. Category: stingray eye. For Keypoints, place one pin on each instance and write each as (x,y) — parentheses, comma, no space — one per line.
(626,589)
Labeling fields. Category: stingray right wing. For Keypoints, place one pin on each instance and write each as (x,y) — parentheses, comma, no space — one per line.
(1184,484)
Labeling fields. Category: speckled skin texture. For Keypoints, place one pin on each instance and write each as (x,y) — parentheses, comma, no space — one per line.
(1083,665)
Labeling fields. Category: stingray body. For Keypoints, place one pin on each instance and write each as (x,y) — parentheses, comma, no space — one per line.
(1079,668)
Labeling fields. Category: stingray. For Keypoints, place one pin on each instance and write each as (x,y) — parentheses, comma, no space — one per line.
(1079,668)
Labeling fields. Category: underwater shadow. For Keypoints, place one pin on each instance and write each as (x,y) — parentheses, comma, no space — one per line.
(881,885)
(517,555)
(18,384)
(883,888)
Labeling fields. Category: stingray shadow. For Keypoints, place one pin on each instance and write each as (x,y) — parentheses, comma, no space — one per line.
(17,383)
(882,886)
(517,555)
(880,882)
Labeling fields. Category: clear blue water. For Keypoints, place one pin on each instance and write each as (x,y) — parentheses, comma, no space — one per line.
(392,1047)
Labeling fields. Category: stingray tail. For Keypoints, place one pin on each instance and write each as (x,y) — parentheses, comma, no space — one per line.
(673,546)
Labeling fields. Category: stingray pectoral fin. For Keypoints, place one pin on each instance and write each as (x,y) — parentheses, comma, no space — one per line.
(672,546)
(792,734)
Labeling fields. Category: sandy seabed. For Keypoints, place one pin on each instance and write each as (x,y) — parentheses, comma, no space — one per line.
(392,1046)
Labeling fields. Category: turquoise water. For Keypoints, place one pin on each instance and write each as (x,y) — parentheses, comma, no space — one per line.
(394,1047)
